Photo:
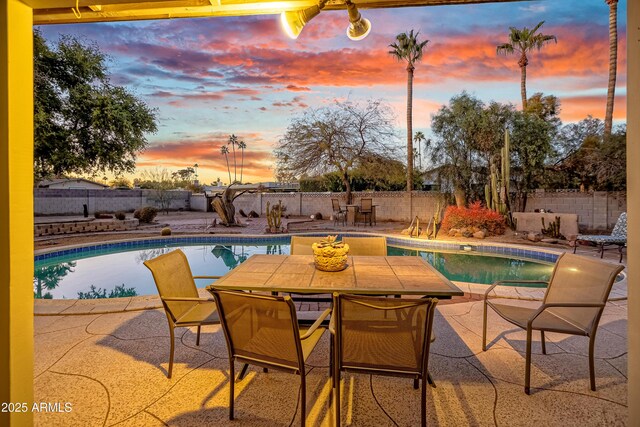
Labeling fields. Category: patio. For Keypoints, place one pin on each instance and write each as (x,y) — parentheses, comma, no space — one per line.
(112,368)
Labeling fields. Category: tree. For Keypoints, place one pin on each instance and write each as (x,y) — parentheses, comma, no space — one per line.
(242,145)
(48,278)
(522,42)
(120,182)
(223,204)
(224,150)
(613,64)
(335,138)
(162,184)
(82,123)
(530,148)
(419,138)
(408,48)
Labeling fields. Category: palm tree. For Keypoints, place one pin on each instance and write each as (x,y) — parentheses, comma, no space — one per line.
(225,152)
(408,48)
(418,138)
(613,64)
(233,140)
(521,42)
(242,146)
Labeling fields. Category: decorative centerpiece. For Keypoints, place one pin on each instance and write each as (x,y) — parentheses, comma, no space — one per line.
(330,255)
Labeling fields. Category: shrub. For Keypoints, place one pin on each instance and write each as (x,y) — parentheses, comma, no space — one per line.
(474,216)
(136,214)
(147,214)
(165,231)
(102,215)
(121,216)
(318,215)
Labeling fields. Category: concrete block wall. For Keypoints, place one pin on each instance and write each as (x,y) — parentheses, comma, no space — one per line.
(70,201)
(597,210)
(198,202)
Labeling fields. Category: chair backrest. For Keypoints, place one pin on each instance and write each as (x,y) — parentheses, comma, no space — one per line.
(173,278)
(366,205)
(336,205)
(383,334)
(260,328)
(620,229)
(301,245)
(578,279)
(376,246)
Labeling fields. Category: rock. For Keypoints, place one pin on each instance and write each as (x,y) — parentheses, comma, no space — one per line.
(549,241)
(453,232)
(254,214)
(241,212)
(534,237)
(467,233)
(479,235)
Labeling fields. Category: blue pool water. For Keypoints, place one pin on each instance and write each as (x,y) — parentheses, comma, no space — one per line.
(72,273)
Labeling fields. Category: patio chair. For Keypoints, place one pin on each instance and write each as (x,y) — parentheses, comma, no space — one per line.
(339,214)
(573,303)
(373,246)
(263,330)
(179,295)
(382,336)
(366,210)
(618,237)
(301,245)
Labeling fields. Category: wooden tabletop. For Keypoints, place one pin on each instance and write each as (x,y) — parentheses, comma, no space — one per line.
(388,275)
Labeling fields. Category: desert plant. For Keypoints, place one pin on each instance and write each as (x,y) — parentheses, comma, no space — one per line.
(474,216)
(274,216)
(317,215)
(147,214)
(553,229)
(121,216)
(166,231)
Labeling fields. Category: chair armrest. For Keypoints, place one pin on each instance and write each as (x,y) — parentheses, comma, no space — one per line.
(206,277)
(186,299)
(543,307)
(500,282)
(315,325)
(332,325)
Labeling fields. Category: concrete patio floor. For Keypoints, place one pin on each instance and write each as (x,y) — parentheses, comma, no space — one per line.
(112,369)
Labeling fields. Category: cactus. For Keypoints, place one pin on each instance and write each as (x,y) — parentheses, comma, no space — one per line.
(274,216)
(553,230)
(496,193)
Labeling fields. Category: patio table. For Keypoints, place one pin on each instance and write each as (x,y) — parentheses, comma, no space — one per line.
(371,275)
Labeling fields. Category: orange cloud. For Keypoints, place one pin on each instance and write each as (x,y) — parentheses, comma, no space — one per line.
(576,108)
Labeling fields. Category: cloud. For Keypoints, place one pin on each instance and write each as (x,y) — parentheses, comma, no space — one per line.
(534,8)
(576,108)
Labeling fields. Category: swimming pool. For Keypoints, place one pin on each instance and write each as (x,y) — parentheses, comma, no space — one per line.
(116,269)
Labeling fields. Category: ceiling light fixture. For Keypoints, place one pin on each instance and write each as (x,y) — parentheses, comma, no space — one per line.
(359,27)
(294,21)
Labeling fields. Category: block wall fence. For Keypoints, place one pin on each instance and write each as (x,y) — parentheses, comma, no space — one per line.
(595,210)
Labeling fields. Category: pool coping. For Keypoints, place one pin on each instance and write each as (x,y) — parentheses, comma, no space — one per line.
(65,307)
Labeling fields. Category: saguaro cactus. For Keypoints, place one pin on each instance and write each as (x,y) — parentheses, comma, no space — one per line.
(496,193)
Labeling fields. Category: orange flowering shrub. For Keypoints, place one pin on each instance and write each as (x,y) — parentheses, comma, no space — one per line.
(475,216)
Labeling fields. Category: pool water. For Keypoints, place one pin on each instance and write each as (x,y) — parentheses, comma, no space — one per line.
(120,272)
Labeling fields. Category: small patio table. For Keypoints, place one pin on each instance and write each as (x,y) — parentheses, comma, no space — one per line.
(371,275)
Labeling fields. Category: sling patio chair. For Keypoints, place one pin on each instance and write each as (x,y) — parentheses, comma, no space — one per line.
(339,214)
(618,237)
(263,330)
(372,246)
(366,210)
(573,303)
(301,245)
(179,295)
(382,336)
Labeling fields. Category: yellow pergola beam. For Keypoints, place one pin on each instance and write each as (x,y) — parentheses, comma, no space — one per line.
(16,210)
(60,11)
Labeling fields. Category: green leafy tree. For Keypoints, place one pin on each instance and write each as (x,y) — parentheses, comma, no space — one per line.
(336,139)
(407,48)
(120,182)
(83,124)
(522,42)
(48,278)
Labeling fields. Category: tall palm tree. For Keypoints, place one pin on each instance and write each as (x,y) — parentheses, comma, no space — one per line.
(233,140)
(418,138)
(521,42)
(613,64)
(242,146)
(408,48)
(225,152)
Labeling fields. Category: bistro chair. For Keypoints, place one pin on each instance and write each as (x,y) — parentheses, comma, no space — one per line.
(573,303)
(179,295)
(339,214)
(301,245)
(382,336)
(366,210)
(263,330)
(372,246)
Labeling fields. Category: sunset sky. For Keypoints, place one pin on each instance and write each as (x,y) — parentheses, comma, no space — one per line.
(211,77)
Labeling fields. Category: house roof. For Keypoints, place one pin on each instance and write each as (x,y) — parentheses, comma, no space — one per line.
(60,11)
(48,182)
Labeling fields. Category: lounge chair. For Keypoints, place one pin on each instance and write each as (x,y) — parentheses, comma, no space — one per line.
(382,336)
(573,303)
(376,246)
(179,295)
(618,237)
(263,330)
